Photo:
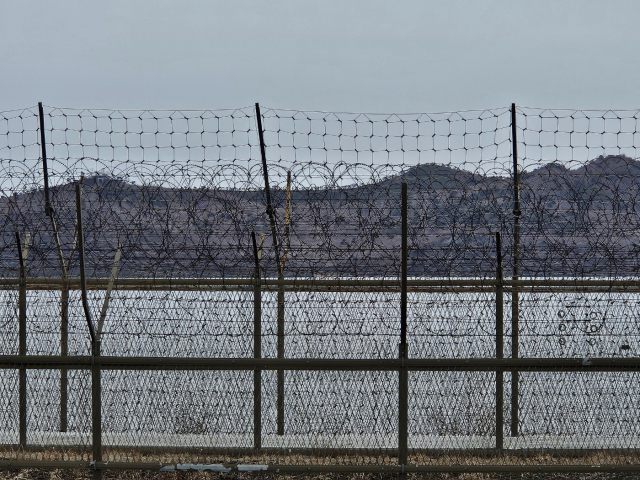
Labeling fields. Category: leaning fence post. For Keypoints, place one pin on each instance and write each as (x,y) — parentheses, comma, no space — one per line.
(515,297)
(107,295)
(64,297)
(96,408)
(45,172)
(22,347)
(403,388)
(257,347)
(499,344)
(48,210)
(274,235)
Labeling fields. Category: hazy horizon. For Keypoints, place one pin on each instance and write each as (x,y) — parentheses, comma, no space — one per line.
(360,56)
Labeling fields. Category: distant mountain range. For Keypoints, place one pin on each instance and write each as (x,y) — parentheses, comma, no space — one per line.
(575,222)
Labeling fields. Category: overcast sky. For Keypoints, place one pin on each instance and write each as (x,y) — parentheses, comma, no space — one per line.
(359,56)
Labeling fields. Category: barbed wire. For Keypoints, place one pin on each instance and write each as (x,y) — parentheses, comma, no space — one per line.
(180,192)
(183,190)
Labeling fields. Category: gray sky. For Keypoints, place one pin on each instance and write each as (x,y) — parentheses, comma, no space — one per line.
(369,56)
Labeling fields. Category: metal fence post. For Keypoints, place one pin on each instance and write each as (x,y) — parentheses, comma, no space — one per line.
(403,388)
(96,407)
(45,171)
(515,297)
(257,348)
(499,344)
(64,351)
(22,348)
(64,297)
(274,236)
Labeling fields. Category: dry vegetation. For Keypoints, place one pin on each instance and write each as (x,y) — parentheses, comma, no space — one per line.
(443,459)
(38,474)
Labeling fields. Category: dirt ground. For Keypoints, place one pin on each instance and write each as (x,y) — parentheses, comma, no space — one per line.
(40,474)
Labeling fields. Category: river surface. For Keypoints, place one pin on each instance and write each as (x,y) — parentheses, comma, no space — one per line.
(358,409)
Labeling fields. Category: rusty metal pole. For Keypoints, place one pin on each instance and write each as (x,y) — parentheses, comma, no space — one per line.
(64,297)
(499,344)
(64,351)
(257,348)
(515,296)
(96,407)
(22,348)
(403,380)
(45,171)
(274,236)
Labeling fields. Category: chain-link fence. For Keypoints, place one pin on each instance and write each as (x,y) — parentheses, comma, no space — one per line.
(240,290)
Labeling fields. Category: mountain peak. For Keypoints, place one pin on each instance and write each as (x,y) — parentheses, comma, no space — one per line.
(619,164)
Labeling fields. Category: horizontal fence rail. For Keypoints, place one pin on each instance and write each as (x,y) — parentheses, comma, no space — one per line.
(299,284)
(428,364)
(264,290)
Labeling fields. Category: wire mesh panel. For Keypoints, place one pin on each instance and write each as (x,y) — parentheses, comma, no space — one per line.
(346,171)
(20,173)
(454,324)
(582,324)
(579,410)
(333,324)
(180,191)
(579,188)
(337,410)
(8,322)
(452,411)
(179,409)
(9,406)
(179,323)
